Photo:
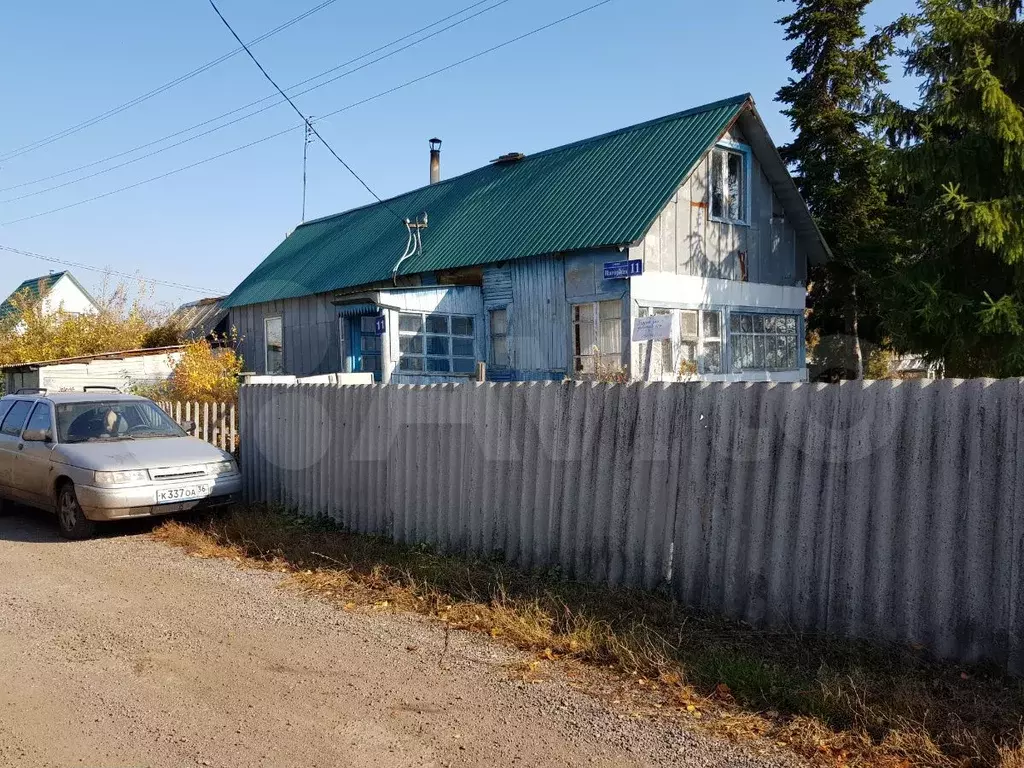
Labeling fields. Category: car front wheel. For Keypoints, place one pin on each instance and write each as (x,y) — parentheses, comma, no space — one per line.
(72,521)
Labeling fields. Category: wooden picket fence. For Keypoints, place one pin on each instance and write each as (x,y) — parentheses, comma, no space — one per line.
(216,423)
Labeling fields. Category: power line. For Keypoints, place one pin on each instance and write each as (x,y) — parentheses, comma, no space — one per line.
(115,273)
(305,120)
(31,147)
(275,103)
(347,107)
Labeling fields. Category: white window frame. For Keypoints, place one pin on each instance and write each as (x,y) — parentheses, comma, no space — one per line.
(425,335)
(701,338)
(736,336)
(266,344)
(723,149)
(578,368)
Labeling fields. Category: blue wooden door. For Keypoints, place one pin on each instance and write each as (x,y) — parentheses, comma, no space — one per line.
(364,345)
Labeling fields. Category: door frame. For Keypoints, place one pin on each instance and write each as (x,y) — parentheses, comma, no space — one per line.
(352,339)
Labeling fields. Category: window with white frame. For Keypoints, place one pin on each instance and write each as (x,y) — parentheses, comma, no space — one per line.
(432,343)
(700,341)
(273,329)
(663,359)
(729,185)
(763,342)
(597,336)
(499,338)
(696,349)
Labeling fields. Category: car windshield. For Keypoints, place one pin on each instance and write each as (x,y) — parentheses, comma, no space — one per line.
(113,420)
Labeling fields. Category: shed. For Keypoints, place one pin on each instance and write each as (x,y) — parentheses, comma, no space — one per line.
(124,370)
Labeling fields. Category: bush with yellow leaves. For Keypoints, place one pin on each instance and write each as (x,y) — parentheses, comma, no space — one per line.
(204,373)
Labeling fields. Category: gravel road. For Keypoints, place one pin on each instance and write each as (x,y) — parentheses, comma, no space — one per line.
(122,651)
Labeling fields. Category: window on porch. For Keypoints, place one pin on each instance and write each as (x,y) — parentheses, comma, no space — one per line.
(435,343)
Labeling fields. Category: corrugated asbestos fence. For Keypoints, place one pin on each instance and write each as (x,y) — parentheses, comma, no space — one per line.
(888,509)
(216,423)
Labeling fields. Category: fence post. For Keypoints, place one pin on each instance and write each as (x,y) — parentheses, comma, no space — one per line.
(233,435)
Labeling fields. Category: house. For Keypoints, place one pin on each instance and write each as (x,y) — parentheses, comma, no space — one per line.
(123,370)
(59,292)
(673,249)
(202,319)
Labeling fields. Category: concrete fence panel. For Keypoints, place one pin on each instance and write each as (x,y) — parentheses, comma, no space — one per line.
(885,510)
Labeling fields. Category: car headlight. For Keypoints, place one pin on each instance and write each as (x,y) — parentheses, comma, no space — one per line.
(121,478)
(227,467)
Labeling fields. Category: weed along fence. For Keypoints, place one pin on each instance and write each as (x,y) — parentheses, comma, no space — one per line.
(216,423)
(888,510)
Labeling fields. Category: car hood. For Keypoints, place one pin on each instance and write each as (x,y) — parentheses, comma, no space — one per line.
(143,453)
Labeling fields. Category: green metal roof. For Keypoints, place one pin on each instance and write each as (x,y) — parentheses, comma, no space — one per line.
(598,192)
(32,289)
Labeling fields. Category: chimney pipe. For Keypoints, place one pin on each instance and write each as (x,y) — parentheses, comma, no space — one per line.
(435,160)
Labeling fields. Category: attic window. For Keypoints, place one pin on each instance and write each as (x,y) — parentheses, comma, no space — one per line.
(729,185)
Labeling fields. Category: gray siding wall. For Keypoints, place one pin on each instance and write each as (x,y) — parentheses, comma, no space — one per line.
(541,316)
(887,510)
(538,294)
(311,339)
(684,239)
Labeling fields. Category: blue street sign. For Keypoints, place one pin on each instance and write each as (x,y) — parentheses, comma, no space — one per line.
(380,324)
(616,270)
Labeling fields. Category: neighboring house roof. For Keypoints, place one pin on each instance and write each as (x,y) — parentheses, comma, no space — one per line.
(120,355)
(198,319)
(36,288)
(599,192)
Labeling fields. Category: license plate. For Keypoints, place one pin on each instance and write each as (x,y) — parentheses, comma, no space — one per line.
(187,493)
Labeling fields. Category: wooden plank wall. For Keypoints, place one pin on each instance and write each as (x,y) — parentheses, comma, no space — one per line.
(311,339)
(684,240)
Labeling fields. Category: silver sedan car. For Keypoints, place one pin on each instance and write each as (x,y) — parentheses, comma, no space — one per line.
(105,456)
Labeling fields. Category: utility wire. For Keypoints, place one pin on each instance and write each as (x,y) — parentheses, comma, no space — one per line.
(276,102)
(321,118)
(156,91)
(90,268)
(305,120)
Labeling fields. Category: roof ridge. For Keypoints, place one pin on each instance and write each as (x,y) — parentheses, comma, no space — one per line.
(737,99)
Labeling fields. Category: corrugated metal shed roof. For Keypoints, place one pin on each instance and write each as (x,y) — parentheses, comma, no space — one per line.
(598,192)
(198,319)
(121,355)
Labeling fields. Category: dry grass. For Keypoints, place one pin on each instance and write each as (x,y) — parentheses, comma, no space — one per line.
(836,702)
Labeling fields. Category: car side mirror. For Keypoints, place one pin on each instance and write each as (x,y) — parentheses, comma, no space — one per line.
(37,436)
(188,426)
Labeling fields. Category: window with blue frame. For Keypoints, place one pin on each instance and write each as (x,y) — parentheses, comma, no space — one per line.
(369,344)
(434,343)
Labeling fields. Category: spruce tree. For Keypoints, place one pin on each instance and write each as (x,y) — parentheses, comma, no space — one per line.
(837,165)
(958,294)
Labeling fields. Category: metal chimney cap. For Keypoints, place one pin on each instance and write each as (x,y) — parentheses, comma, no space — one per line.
(435,143)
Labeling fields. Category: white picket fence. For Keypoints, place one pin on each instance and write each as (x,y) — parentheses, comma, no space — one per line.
(216,423)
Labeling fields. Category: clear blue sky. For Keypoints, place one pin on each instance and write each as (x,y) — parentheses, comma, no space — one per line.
(67,61)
